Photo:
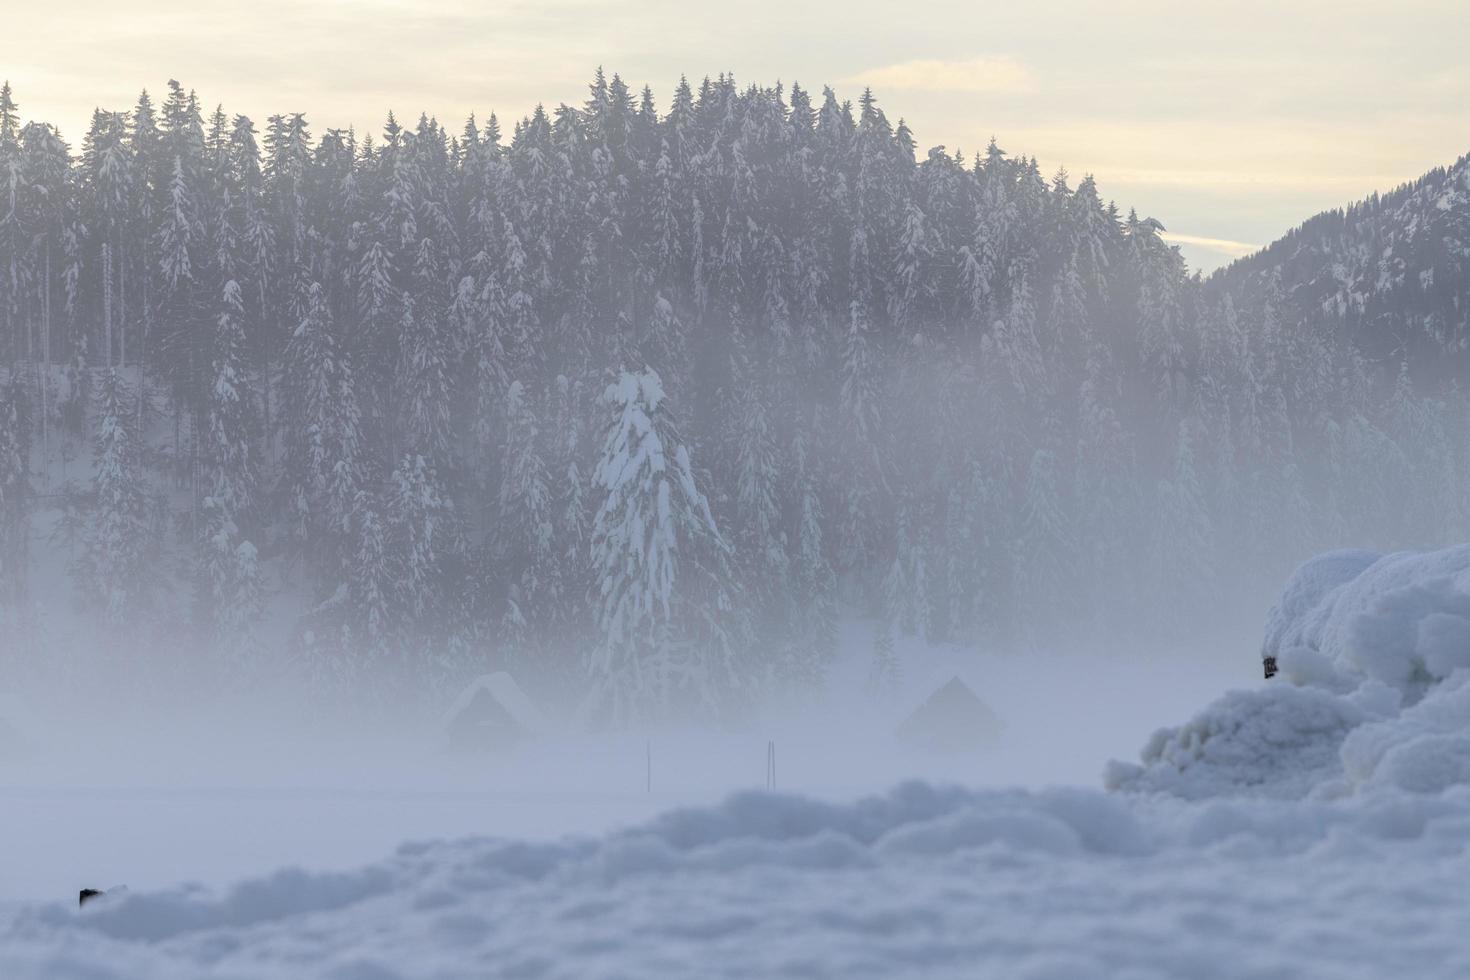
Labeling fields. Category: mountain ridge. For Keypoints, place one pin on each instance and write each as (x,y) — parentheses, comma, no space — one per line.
(1391,269)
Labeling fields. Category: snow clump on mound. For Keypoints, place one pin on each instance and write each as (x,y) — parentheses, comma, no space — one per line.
(1372,691)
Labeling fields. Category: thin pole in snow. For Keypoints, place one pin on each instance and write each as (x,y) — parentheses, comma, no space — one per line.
(770,765)
(648,750)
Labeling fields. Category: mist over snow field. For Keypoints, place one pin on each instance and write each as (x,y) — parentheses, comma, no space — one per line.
(1317,825)
(212,800)
(502,551)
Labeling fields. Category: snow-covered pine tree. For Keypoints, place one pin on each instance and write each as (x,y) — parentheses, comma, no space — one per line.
(418,520)
(884,672)
(423,382)
(229,560)
(907,601)
(1044,554)
(1160,320)
(324,452)
(526,548)
(667,640)
(813,603)
(1185,541)
(757,510)
(119,544)
(15,492)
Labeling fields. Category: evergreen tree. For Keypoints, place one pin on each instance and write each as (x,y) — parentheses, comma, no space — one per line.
(663,597)
(1043,553)
(884,673)
(1185,540)
(230,561)
(114,569)
(15,491)
(526,555)
(417,521)
(324,453)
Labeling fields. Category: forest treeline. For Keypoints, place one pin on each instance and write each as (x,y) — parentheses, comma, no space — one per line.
(643,404)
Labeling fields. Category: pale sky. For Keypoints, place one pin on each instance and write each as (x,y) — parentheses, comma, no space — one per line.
(1230,122)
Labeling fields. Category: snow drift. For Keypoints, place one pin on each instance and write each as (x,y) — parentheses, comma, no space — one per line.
(921,881)
(1371,693)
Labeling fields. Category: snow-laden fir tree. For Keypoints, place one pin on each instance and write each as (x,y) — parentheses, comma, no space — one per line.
(884,672)
(370,634)
(1044,554)
(419,533)
(323,463)
(526,553)
(229,559)
(908,603)
(665,606)
(114,567)
(14,494)
(423,382)
(1186,574)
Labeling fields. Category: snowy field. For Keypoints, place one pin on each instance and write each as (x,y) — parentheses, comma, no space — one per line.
(921,881)
(211,808)
(1314,826)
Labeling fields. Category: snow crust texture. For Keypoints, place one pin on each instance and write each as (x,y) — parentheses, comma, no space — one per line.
(924,881)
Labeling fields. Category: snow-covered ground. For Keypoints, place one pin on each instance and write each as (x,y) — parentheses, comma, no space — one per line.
(104,799)
(1317,825)
(920,881)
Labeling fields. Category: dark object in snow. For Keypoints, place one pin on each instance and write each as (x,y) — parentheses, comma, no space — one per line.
(88,894)
(491,713)
(952,720)
(1270,664)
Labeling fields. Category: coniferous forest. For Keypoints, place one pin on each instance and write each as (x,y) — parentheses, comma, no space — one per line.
(640,401)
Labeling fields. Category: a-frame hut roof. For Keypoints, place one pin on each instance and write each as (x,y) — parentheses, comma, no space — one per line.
(491,710)
(952,719)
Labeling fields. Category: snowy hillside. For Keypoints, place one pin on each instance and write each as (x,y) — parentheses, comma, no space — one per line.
(1393,272)
(1317,825)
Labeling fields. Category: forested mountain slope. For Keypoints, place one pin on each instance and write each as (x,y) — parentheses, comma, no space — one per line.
(1392,272)
(639,404)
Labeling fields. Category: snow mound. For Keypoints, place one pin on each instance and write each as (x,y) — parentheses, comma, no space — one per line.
(922,881)
(1372,691)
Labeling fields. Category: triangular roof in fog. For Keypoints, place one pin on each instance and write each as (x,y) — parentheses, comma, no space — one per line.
(500,690)
(952,719)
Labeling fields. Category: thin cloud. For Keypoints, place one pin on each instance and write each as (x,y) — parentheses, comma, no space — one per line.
(1218,178)
(1232,248)
(998,74)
